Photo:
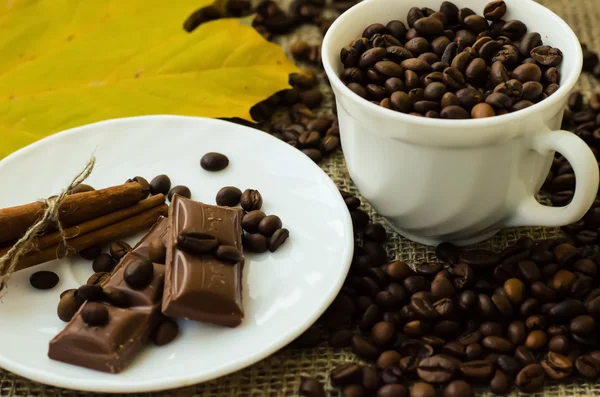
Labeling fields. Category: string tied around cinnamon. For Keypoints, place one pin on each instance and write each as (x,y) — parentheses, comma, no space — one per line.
(49,218)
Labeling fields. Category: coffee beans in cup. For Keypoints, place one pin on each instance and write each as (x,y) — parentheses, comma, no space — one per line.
(452,63)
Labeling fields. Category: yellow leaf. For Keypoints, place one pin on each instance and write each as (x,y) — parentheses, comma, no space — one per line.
(65,63)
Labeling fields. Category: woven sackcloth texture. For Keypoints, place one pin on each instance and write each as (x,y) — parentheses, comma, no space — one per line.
(279,375)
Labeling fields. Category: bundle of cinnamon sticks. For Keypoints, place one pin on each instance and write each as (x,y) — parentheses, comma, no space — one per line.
(89,219)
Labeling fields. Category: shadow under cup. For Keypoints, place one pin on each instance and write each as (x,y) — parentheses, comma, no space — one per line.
(461,181)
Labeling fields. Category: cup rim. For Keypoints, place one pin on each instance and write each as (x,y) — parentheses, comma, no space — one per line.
(568,82)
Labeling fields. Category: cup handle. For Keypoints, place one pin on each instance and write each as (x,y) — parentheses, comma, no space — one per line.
(531,213)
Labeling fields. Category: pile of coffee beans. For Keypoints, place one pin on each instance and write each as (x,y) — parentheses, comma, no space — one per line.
(452,63)
(518,317)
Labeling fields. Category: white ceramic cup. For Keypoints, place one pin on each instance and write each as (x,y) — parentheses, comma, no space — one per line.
(460,180)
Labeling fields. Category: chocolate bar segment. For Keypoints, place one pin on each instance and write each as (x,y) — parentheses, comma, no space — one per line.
(202,287)
(112,346)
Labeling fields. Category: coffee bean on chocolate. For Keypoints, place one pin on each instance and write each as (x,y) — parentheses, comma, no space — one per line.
(98,278)
(138,273)
(228,253)
(278,238)
(229,196)
(251,200)
(161,184)
(90,292)
(103,263)
(116,297)
(69,305)
(44,280)
(119,249)
(181,190)
(94,314)
(196,242)
(255,242)
(157,252)
(214,161)
(81,188)
(90,253)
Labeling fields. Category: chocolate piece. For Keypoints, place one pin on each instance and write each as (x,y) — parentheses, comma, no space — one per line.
(110,347)
(200,286)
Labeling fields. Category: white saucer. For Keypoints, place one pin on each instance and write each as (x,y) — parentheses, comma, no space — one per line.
(284,292)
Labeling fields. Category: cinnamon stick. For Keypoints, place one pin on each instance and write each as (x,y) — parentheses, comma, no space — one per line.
(115,231)
(76,209)
(53,239)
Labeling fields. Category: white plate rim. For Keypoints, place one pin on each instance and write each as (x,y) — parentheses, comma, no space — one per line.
(36,375)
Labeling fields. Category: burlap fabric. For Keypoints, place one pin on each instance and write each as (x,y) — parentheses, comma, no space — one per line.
(279,375)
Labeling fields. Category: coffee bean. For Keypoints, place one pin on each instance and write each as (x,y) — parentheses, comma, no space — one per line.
(353,391)
(462,276)
(413,15)
(181,190)
(482,110)
(388,358)
(278,238)
(453,78)
(498,344)
(345,374)
(118,250)
(540,291)
(516,332)
(508,365)
(157,251)
(69,305)
(160,185)
(546,55)
(98,278)
(416,65)
(588,367)
(370,379)
(363,348)
(392,375)
(94,314)
(90,253)
(375,232)
(414,284)
(251,220)
(531,379)
(269,225)
(494,10)
(563,281)
(81,188)
(196,242)
(90,292)
(310,387)
(392,390)
(115,297)
(458,388)
(583,325)
(229,196)
(530,41)
(44,280)
(214,161)
(514,290)
(536,340)
(567,310)
(138,273)
(477,370)
(416,348)
(447,252)
(454,112)
(383,333)
(557,366)
(251,200)
(429,27)
(422,389)
(436,369)
(228,253)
